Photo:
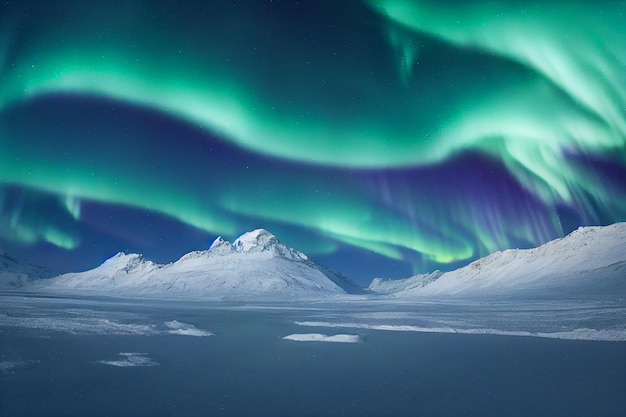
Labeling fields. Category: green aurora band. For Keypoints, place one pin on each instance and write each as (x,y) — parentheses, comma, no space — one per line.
(113,172)
(578,100)
(551,83)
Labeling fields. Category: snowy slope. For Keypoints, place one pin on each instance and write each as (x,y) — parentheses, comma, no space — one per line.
(257,263)
(589,261)
(392,286)
(16,273)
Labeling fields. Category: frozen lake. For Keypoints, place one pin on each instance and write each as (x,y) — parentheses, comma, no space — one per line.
(99,357)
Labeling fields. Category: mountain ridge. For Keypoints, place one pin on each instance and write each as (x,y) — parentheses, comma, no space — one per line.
(257,263)
(588,260)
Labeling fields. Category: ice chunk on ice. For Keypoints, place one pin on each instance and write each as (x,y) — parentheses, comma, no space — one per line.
(132,359)
(185,329)
(318,337)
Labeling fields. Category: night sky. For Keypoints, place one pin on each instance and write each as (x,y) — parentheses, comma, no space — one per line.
(382,138)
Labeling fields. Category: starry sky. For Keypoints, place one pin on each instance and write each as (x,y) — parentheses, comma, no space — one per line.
(382,138)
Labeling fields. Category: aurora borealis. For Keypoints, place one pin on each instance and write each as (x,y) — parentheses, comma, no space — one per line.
(381,137)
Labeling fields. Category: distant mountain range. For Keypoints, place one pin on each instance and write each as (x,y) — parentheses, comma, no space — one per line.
(17,273)
(257,263)
(589,262)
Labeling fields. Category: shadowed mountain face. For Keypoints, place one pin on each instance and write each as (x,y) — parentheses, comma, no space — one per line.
(16,272)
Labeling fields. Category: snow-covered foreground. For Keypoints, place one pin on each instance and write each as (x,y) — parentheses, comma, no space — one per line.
(565,319)
(79,356)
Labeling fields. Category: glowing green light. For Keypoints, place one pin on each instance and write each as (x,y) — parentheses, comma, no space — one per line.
(551,91)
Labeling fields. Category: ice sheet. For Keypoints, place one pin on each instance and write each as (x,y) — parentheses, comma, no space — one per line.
(612,335)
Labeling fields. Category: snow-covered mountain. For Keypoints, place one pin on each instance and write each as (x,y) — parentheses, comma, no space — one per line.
(257,263)
(589,261)
(16,273)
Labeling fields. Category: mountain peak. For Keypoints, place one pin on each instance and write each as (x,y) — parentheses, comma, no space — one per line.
(125,262)
(262,241)
(221,246)
(259,240)
(217,242)
(122,257)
